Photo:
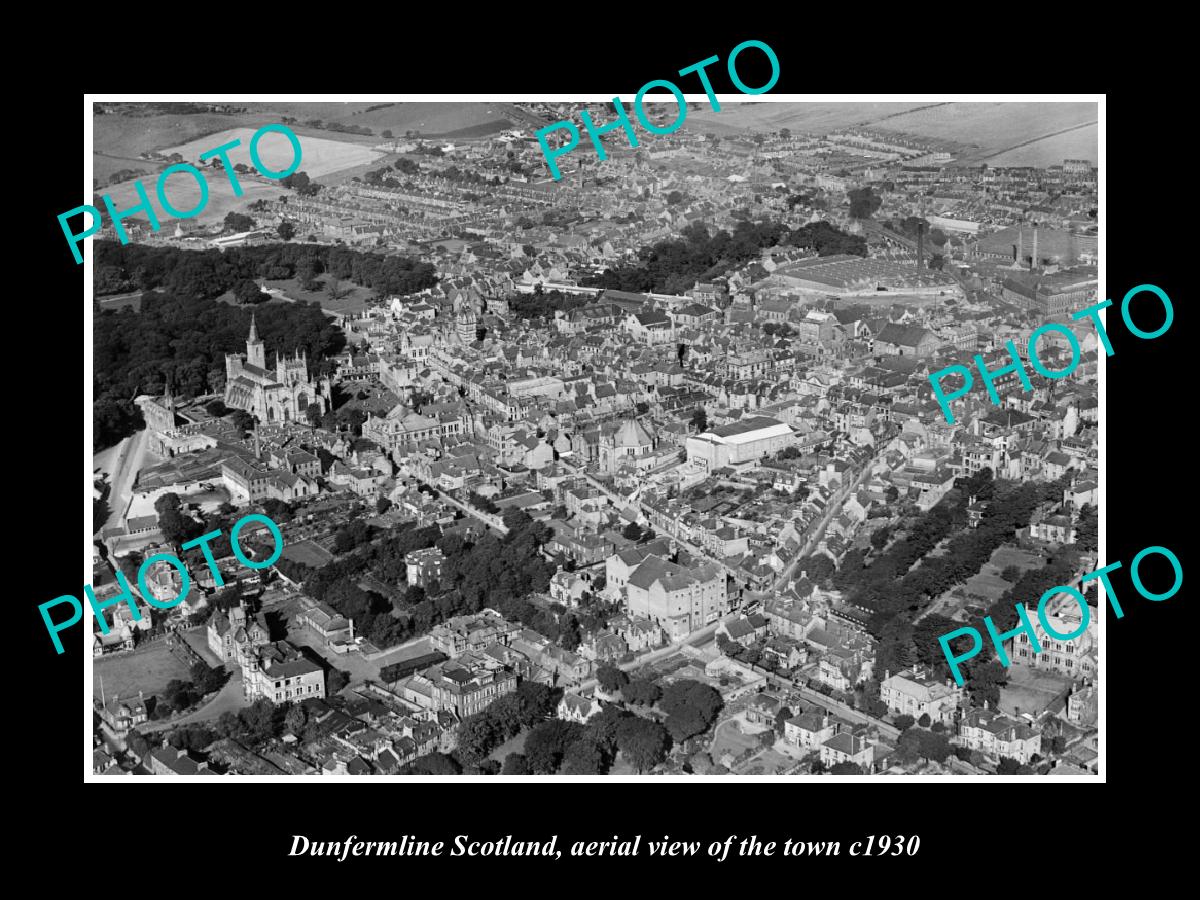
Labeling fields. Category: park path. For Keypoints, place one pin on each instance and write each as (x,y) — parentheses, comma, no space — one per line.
(229,699)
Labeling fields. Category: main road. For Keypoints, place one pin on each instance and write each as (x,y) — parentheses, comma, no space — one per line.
(125,469)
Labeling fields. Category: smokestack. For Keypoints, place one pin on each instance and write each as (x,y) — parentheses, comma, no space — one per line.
(920,245)
(1020,247)
(1033,263)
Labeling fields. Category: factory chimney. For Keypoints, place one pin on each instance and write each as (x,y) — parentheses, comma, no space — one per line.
(921,245)
(1033,263)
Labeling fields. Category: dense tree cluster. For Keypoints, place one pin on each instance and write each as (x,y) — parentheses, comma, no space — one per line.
(301,184)
(209,273)
(177,526)
(1087,531)
(917,743)
(673,266)
(641,692)
(493,572)
(827,240)
(691,707)
(543,304)
(238,222)
(901,580)
(479,735)
(573,749)
(863,202)
(433,764)
(610,678)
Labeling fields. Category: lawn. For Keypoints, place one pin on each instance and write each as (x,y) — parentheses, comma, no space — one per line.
(318,155)
(1008,555)
(1030,690)
(308,553)
(987,583)
(769,762)
(354,297)
(148,670)
(728,739)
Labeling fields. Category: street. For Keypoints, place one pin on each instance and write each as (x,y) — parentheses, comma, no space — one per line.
(833,509)
(128,463)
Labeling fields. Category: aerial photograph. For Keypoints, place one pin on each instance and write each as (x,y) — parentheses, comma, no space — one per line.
(428,442)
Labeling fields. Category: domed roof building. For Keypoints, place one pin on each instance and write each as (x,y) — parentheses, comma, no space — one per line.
(632,443)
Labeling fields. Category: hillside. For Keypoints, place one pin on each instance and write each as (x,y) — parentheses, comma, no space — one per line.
(1045,133)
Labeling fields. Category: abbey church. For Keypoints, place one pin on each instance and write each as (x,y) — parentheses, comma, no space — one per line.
(282,395)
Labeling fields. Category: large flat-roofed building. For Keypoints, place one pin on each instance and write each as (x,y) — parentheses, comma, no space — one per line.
(906,340)
(1059,294)
(739,442)
(1049,245)
(678,599)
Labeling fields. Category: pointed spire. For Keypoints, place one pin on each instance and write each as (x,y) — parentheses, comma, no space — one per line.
(253,329)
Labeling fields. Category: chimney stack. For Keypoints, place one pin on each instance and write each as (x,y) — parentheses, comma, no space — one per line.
(1033,263)
(920,245)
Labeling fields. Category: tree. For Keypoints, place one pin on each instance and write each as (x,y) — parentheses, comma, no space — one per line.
(547,742)
(337,680)
(216,408)
(863,203)
(248,292)
(935,746)
(584,757)
(845,768)
(1058,745)
(781,718)
(1007,766)
(632,532)
(382,505)
(242,421)
(515,764)
(1011,574)
(137,744)
(904,722)
(478,736)
(641,692)
(924,720)
(691,708)
(386,133)
(296,719)
(433,764)
(611,678)
(642,742)
(168,502)
(286,230)
(1087,530)
(984,680)
(700,419)
(237,222)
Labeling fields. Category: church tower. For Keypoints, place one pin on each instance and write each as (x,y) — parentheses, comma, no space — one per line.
(256,350)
